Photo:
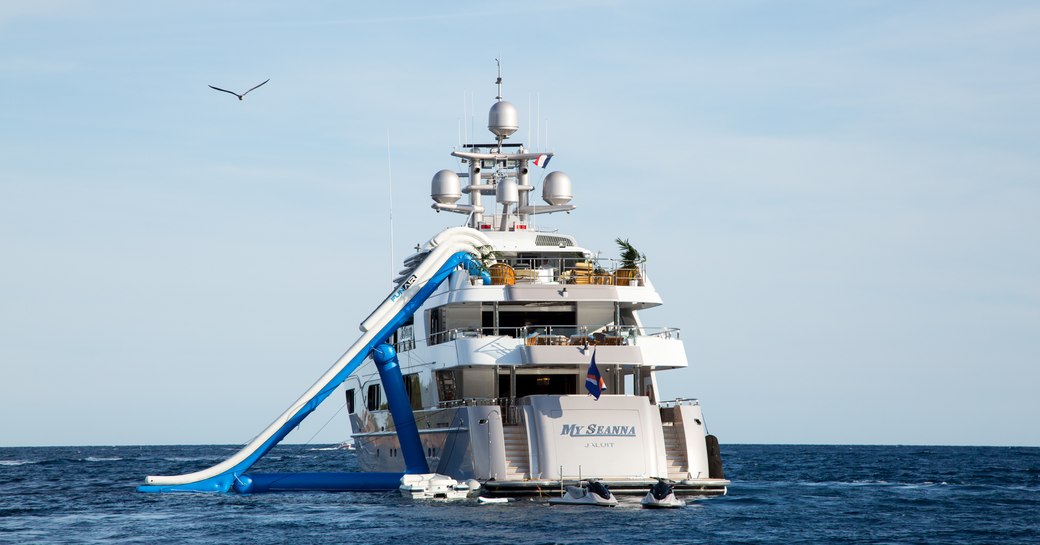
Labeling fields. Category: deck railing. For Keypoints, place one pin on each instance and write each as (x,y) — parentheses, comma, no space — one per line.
(560,270)
(508,410)
(680,401)
(553,335)
(583,335)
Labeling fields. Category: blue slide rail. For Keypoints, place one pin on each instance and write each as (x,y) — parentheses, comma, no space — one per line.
(234,478)
(389,368)
(400,409)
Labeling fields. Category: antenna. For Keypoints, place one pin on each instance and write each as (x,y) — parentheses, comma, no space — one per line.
(538,129)
(390,190)
(529,141)
(498,82)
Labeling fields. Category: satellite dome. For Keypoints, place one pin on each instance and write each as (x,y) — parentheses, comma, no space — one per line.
(446,187)
(507,192)
(556,188)
(503,119)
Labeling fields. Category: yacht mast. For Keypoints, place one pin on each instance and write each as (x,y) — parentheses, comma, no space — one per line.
(496,169)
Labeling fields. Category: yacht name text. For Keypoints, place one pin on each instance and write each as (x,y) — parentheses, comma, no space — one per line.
(597,430)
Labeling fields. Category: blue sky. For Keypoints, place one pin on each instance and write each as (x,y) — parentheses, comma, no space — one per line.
(840,201)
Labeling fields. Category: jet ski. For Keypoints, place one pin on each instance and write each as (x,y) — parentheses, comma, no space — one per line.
(596,493)
(661,496)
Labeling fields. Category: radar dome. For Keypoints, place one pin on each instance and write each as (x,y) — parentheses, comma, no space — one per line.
(446,187)
(503,119)
(556,188)
(507,192)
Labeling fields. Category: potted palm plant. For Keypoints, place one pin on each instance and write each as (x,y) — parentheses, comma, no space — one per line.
(482,265)
(628,271)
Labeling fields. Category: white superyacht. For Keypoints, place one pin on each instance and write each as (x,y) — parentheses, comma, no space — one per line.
(495,371)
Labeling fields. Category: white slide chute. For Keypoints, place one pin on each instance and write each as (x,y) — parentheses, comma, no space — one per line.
(435,265)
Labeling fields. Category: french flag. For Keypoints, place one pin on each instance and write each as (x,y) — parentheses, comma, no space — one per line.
(542,160)
(593,381)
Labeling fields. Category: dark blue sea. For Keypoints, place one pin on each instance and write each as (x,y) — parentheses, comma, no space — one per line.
(780,494)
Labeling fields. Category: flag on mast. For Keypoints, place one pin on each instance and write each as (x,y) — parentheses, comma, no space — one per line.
(593,381)
(542,160)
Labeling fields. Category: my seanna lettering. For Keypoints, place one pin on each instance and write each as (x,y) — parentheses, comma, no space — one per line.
(596,430)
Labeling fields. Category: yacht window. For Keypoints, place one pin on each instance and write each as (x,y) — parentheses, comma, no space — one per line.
(404,337)
(446,386)
(373,399)
(436,323)
(538,385)
(405,340)
(350,400)
(513,320)
(414,389)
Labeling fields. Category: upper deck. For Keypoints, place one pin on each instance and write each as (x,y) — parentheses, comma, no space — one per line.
(548,300)
(531,267)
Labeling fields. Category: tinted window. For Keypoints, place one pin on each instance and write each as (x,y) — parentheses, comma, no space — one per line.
(350,401)
(373,401)
(414,389)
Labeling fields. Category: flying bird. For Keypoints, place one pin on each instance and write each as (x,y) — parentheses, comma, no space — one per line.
(236,94)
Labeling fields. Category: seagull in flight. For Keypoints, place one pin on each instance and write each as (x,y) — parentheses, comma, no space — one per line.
(236,94)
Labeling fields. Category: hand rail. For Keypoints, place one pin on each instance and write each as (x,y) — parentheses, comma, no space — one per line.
(571,270)
(587,334)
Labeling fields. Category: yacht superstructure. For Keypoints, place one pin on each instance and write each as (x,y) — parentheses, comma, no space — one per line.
(496,359)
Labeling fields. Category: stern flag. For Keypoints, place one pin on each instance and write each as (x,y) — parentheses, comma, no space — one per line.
(593,381)
(542,160)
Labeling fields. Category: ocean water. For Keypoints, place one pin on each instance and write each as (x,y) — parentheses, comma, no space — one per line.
(780,494)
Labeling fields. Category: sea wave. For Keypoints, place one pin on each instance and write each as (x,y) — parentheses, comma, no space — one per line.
(16,462)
